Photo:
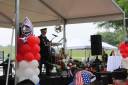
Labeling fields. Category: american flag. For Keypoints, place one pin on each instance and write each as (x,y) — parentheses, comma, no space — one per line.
(86,76)
(83,77)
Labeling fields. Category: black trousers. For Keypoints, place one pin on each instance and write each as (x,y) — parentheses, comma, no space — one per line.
(47,64)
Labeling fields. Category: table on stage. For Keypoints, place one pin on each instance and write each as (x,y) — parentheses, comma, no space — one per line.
(3,80)
(43,80)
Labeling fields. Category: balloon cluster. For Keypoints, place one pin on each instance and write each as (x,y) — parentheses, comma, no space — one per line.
(29,50)
(27,59)
(123,47)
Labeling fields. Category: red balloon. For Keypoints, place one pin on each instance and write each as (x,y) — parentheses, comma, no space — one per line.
(28,56)
(19,41)
(25,48)
(31,40)
(124,55)
(19,57)
(126,49)
(19,44)
(126,44)
(37,56)
(37,40)
(36,49)
(122,45)
(18,50)
(123,49)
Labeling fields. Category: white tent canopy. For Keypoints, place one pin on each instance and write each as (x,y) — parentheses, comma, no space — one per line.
(48,12)
(87,45)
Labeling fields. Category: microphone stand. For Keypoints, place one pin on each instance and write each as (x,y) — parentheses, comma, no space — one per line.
(60,39)
(50,50)
(52,39)
(59,42)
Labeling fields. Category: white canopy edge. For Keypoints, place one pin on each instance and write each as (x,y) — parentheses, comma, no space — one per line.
(82,20)
(96,18)
(73,21)
(52,19)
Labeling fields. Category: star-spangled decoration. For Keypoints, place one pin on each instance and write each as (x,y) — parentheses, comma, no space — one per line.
(86,77)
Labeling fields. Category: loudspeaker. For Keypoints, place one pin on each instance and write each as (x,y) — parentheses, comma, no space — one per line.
(96,45)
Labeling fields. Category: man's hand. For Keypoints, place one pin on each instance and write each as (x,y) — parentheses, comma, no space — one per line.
(49,43)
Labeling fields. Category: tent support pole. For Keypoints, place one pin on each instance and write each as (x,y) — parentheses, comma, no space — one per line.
(85,52)
(9,61)
(124,25)
(64,35)
(70,52)
(17,12)
(116,5)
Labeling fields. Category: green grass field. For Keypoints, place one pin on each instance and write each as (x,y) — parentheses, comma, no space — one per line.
(7,50)
(76,54)
(79,54)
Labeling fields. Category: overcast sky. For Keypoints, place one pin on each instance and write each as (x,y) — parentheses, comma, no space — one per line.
(74,32)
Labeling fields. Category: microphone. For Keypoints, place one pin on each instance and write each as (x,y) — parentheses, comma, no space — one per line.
(55,35)
(61,39)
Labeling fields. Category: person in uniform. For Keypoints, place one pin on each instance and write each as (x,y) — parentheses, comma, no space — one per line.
(45,51)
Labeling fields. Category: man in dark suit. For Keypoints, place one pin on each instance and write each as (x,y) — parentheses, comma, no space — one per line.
(45,51)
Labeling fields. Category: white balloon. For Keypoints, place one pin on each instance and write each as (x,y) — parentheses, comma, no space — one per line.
(126,59)
(19,72)
(34,64)
(125,63)
(37,71)
(22,78)
(23,64)
(35,79)
(29,72)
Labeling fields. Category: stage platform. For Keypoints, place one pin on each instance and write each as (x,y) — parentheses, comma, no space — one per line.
(3,80)
(102,79)
(53,80)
